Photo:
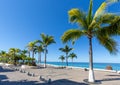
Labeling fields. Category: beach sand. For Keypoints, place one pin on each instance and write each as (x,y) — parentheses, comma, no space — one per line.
(58,76)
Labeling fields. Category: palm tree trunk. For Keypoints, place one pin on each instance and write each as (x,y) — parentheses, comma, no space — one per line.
(45,60)
(29,53)
(72,61)
(45,57)
(39,57)
(23,61)
(91,72)
(14,59)
(62,63)
(67,59)
(32,55)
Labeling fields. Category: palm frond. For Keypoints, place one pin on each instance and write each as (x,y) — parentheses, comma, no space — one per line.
(62,49)
(66,49)
(46,39)
(77,16)
(31,45)
(62,57)
(89,17)
(51,40)
(112,1)
(108,18)
(108,43)
(71,35)
(114,28)
(72,55)
(98,13)
(100,10)
(43,36)
(39,48)
(39,41)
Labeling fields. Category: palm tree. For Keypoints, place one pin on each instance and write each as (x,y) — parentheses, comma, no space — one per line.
(3,56)
(102,26)
(31,47)
(62,58)
(2,53)
(13,52)
(23,55)
(66,49)
(39,49)
(72,56)
(46,40)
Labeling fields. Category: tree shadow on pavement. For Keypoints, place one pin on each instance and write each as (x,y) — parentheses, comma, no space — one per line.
(56,82)
(5,69)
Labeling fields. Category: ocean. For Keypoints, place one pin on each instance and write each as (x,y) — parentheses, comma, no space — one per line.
(115,66)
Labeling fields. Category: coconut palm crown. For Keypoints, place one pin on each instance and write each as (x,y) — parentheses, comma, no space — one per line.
(62,58)
(101,25)
(72,56)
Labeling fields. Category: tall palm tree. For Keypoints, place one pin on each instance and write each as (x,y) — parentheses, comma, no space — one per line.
(72,56)
(66,50)
(102,26)
(62,58)
(46,40)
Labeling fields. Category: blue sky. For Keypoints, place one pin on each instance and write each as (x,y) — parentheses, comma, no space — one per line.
(22,21)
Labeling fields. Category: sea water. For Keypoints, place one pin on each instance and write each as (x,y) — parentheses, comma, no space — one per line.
(115,66)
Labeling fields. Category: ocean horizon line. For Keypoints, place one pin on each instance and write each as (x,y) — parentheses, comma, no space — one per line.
(83,62)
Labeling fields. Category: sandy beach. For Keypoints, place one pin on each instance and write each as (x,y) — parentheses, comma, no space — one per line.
(57,76)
